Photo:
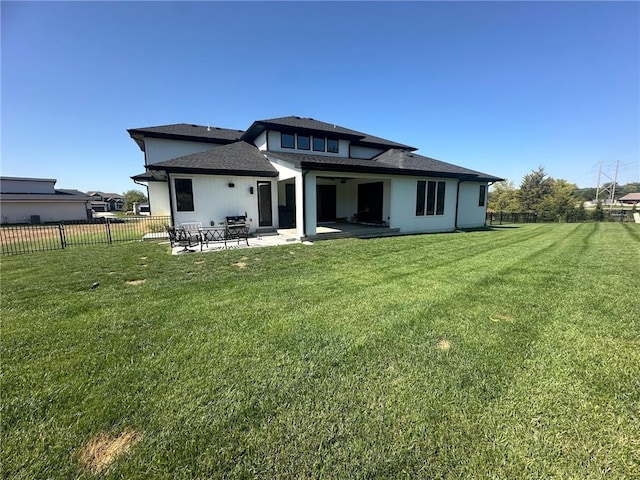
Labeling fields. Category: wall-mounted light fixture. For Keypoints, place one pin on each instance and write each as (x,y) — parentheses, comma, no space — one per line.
(231,185)
(251,190)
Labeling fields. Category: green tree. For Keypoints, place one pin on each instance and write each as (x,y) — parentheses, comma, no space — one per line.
(558,204)
(597,214)
(503,197)
(535,187)
(131,196)
(633,187)
(585,194)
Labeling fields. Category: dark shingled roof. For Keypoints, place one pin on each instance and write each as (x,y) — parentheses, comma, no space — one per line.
(310,125)
(395,161)
(412,161)
(239,158)
(186,131)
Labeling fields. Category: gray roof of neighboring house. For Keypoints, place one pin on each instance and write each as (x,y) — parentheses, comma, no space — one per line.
(61,194)
(239,158)
(114,196)
(311,125)
(395,161)
(186,131)
(631,197)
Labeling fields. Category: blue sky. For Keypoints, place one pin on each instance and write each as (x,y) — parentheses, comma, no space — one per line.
(500,87)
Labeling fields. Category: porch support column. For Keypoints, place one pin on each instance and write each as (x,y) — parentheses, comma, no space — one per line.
(299,178)
(310,202)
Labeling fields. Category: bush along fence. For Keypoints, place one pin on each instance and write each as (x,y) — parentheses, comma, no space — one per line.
(16,239)
(573,216)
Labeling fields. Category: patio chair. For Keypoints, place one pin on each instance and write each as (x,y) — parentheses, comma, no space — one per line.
(182,238)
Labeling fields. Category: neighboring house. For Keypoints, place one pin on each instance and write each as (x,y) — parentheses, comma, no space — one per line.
(36,200)
(630,198)
(294,172)
(106,202)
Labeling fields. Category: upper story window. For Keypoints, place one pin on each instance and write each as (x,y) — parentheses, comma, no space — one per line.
(304,142)
(430,198)
(483,195)
(184,195)
(309,142)
(287,140)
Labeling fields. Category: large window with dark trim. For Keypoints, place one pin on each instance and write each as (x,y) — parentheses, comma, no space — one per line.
(184,194)
(430,197)
(483,195)
(304,142)
(287,140)
(332,145)
(420,197)
(318,144)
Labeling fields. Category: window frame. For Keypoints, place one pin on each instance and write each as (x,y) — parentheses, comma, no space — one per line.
(430,198)
(308,137)
(421,197)
(293,140)
(324,144)
(482,198)
(178,193)
(337,150)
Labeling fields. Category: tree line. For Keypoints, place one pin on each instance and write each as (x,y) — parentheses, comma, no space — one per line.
(551,199)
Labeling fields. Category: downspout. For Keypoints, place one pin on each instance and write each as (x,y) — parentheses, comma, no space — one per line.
(147,188)
(457,202)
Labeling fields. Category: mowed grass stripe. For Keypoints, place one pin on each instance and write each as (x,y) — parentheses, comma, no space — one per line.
(324,361)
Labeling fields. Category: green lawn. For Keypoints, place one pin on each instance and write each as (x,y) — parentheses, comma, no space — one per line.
(331,360)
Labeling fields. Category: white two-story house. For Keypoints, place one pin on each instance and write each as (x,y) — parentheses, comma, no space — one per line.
(294,172)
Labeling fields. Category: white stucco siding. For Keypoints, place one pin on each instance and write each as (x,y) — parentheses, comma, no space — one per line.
(470,214)
(403,207)
(285,169)
(261,141)
(160,149)
(159,199)
(364,152)
(214,200)
(21,212)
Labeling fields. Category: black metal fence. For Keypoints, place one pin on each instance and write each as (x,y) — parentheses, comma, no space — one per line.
(597,215)
(16,239)
(498,218)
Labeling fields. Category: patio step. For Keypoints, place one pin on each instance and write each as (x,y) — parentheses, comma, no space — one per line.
(369,233)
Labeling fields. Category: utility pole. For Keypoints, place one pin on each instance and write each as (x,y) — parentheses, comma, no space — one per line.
(610,187)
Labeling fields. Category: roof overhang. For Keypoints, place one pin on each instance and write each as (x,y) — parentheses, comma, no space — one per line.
(375,169)
(213,171)
(139,135)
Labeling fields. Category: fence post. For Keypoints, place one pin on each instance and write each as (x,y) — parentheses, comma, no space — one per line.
(108,226)
(63,241)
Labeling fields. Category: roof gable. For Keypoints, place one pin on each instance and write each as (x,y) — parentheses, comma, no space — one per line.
(186,131)
(310,125)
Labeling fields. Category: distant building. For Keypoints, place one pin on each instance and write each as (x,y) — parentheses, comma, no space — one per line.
(630,198)
(36,200)
(106,202)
